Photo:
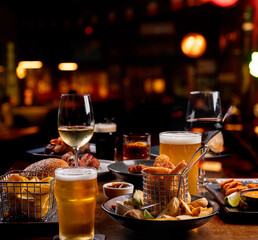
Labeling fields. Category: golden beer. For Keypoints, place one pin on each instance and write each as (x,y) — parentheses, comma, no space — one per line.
(76,190)
(180,146)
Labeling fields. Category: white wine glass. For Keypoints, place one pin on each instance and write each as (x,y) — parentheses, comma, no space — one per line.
(75,121)
(204,115)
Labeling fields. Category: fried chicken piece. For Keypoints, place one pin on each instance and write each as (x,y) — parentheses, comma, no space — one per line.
(163,161)
(69,158)
(179,167)
(136,168)
(89,160)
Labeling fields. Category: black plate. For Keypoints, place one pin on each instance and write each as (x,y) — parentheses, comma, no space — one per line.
(157,226)
(120,170)
(230,212)
(154,152)
(40,151)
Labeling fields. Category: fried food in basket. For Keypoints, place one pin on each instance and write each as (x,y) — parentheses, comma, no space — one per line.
(163,161)
(157,170)
(28,197)
(179,167)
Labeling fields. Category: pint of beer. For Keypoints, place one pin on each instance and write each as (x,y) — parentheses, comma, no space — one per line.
(76,190)
(105,138)
(181,145)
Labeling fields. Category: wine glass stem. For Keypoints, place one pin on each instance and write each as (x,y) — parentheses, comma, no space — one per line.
(202,177)
(76,156)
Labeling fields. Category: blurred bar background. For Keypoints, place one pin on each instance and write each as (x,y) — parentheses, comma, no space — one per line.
(137,59)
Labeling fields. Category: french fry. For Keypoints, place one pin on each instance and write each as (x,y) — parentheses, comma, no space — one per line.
(179,167)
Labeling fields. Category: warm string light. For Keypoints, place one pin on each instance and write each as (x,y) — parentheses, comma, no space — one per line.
(67,66)
(193,45)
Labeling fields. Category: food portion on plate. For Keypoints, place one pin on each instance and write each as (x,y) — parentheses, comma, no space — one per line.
(162,165)
(176,209)
(233,189)
(58,147)
(86,160)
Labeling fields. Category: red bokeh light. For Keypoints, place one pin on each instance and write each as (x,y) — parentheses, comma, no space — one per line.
(224,3)
(88,30)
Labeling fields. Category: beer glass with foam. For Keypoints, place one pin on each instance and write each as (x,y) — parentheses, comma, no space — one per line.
(76,190)
(105,138)
(180,146)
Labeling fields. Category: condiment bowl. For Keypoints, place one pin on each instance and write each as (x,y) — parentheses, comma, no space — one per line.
(250,197)
(114,189)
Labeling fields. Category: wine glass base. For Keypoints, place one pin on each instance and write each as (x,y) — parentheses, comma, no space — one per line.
(204,182)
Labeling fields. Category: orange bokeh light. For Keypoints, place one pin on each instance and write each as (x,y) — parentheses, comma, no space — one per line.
(193,45)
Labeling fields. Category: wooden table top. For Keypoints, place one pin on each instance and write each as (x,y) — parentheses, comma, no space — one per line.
(217,229)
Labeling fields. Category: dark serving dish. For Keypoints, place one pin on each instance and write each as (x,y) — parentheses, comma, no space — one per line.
(232,214)
(120,170)
(40,151)
(157,226)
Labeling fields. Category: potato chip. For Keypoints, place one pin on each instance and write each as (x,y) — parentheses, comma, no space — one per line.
(183,217)
(172,209)
(202,212)
(185,210)
(201,202)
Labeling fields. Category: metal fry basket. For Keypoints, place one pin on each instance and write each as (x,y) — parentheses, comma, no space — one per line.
(161,188)
(26,195)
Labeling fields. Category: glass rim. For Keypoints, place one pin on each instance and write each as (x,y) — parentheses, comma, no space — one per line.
(191,133)
(205,92)
(135,134)
(75,177)
(74,94)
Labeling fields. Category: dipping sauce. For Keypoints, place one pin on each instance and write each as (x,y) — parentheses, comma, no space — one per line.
(252,194)
(118,185)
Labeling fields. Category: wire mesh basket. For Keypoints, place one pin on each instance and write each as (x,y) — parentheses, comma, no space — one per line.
(161,188)
(26,195)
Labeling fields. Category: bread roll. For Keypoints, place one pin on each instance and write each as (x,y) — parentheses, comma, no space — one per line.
(47,165)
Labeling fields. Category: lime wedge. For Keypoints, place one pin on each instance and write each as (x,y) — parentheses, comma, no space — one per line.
(232,200)
(147,215)
(138,197)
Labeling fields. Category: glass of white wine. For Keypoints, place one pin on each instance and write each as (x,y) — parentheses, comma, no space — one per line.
(75,121)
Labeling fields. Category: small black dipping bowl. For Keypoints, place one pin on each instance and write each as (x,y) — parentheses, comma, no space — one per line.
(252,202)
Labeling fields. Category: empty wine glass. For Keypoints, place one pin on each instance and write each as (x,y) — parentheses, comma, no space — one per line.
(204,115)
(75,121)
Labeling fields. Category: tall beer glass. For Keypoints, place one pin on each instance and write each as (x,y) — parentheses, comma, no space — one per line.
(76,190)
(181,145)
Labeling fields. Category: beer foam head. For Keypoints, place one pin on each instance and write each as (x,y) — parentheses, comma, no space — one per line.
(75,174)
(105,127)
(180,138)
